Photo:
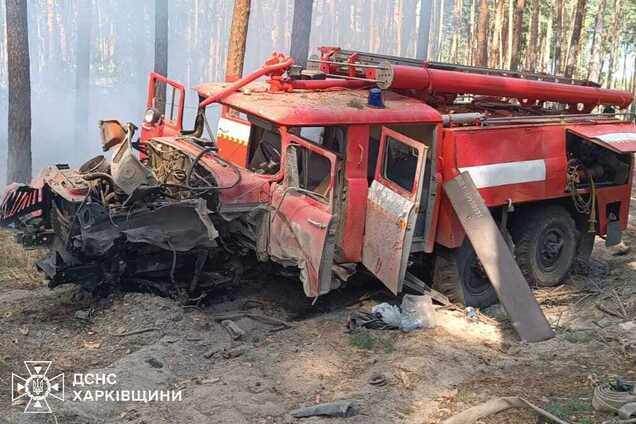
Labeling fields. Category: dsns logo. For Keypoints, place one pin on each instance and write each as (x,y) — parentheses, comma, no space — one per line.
(37,387)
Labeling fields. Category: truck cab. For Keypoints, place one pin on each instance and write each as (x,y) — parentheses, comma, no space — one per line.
(344,182)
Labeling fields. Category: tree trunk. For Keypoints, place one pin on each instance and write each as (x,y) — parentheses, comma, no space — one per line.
(482,35)
(533,42)
(497,42)
(19,125)
(598,40)
(511,20)
(301,31)
(614,42)
(575,43)
(472,37)
(161,51)
(432,50)
(407,27)
(547,46)
(82,77)
(557,34)
(440,31)
(515,54)
(457,24)
(424,29)
(238,38)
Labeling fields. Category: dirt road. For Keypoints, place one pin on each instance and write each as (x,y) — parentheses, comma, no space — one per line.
(152,343)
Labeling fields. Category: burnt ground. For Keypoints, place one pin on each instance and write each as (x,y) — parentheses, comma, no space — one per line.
(429,375)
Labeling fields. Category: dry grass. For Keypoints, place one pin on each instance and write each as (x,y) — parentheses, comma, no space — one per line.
(16,264)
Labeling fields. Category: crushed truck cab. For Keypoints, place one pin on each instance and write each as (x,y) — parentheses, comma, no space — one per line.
(341,168)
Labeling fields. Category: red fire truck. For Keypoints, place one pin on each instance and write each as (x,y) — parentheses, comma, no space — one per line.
(339,168)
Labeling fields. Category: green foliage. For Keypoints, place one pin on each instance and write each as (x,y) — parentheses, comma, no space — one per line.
(368,341)
(572,407)
(362,340)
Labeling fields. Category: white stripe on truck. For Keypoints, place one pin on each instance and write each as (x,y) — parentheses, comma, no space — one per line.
(617,137)
(498,174)
(234,131)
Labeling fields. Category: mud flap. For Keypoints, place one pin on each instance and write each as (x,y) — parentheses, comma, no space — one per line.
(500,266)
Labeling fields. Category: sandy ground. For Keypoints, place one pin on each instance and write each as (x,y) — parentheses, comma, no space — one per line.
(428,375)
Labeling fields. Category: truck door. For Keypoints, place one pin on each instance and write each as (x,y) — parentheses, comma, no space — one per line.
(392,206)
(171,123)
(302,221)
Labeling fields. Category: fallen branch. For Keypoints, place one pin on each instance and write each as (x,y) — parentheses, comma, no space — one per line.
(132,333)
(495,406)
(256,317)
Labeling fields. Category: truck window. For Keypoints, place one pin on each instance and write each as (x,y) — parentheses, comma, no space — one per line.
(330,138)
(264,152)
(400,164)
(309,171)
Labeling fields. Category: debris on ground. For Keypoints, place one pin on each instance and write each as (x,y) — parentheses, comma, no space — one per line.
(377,380)
(341,408)
(496,406)
(277,324)
(84,315)
(416,313)
(233,330)
(620,249)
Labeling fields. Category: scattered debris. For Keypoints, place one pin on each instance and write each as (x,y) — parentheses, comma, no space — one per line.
(416,312)
(341,408)
(471,314)
(84,315)
(135,332)
(495,406)
(277,323)
(359,319)
(210,353)
(154,363)
(389,314)
(233,330)
(377,380)
(620,249)
(92,345)
(628,327)
(234,352)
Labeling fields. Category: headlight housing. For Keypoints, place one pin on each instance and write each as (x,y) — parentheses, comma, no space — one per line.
(152,116)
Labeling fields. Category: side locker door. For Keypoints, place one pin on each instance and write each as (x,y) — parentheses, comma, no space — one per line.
(392,205)
(302,222)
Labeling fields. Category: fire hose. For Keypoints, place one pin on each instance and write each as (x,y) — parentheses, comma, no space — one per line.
(617,398)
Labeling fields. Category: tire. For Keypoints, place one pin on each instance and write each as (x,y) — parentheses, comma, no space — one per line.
(459,275)
(546,243)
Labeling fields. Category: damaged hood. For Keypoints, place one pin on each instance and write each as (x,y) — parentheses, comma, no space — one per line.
(176,226)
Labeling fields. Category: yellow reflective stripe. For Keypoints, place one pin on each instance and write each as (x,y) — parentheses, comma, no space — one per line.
(233,139)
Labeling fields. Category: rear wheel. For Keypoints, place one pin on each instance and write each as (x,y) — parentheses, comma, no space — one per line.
(459,275)
(546,242)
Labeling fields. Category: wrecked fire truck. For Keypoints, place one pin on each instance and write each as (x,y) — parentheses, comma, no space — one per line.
(337,169)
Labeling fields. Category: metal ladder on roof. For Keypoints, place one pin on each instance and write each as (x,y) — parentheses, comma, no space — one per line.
(374,59)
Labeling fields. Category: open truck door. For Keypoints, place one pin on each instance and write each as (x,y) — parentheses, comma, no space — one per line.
(303,220)
(392,206)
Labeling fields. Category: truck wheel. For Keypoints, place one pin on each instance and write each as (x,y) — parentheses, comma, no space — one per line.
(459,275)
(546,242)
